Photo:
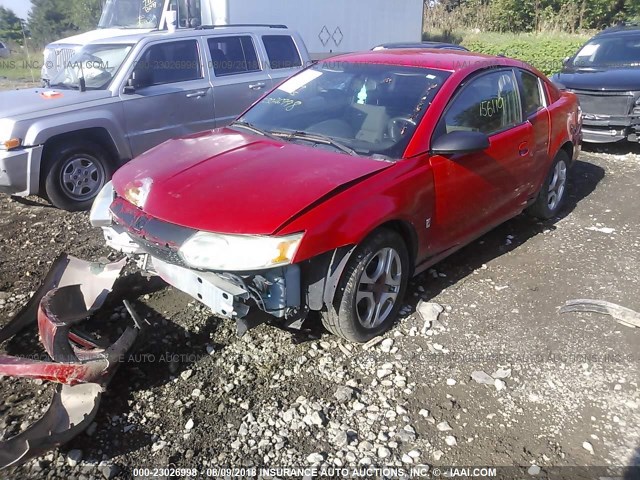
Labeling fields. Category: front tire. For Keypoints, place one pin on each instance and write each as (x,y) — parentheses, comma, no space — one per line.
(75,175)
(371,288)
(552,194)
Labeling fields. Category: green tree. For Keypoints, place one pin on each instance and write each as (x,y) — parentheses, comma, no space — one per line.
(85,14)
(10,26)
(52,20)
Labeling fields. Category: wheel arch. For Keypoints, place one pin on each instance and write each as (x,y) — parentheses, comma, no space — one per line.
(325,271)
(567,148)
(97,135)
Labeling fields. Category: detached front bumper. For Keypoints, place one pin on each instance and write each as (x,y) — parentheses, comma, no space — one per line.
(20,171)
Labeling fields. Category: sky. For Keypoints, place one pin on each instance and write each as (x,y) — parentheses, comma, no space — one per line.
(20,7)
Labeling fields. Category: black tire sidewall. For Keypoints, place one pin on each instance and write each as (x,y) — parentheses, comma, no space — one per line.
(57,158)
(541,209)
(347,288)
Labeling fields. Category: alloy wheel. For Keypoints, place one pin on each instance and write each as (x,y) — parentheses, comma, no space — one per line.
(378,288)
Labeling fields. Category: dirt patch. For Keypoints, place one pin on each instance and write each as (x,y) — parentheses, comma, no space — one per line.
(195,395)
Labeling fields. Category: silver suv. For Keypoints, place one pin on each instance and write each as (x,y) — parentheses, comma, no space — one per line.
(119,97)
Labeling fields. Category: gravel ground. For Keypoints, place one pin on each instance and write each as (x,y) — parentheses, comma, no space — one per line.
(195,395)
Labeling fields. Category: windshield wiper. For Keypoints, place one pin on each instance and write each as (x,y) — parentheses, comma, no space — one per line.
(254,129)
(317,138)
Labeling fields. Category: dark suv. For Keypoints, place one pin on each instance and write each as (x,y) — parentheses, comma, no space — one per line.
(605,74)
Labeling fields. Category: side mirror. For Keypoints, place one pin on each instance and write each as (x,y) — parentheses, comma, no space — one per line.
(459,142)
(129,89)
(565,61)
(140,78)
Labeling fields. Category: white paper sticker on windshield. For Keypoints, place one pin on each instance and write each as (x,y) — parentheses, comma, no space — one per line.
(296,83)
(588,50)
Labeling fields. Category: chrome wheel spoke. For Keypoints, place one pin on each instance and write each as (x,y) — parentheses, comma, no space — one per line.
(379,288)
(91,170)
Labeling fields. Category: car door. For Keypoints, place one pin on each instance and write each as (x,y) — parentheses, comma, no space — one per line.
(283,56)
(170,96)
(237,75)
(476,191)
(534,106)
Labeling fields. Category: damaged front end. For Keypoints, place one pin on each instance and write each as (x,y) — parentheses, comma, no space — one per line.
(81,365)
(182,258)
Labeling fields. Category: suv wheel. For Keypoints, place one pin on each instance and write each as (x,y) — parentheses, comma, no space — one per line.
(76,174)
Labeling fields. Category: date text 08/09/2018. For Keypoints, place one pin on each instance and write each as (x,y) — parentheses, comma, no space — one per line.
(317,472)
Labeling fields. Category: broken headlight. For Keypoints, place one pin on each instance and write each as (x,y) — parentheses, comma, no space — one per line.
(238,253)
(100,215)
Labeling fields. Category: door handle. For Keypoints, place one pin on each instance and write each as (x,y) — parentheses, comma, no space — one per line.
(523,149)
(257,86)
(198,94)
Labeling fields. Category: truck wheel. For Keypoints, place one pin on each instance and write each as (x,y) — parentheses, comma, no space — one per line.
(552,194)
(75,174)
(371,288)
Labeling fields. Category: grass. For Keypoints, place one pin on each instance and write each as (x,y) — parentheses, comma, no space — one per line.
(19,67)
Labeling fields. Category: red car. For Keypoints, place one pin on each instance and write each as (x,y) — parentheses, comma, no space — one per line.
(335,188)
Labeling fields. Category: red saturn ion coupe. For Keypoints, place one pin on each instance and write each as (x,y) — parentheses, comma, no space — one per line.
(334,189)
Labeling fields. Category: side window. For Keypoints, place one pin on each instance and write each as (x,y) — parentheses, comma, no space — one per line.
(233,55)
(281,51)
(489,104)
(532,95)
(170,62)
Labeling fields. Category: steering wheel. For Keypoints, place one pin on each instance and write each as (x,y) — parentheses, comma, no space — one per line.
(397,126)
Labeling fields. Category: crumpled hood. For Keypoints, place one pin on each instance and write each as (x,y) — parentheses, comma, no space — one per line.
(227,182)
(616,79)
(38,100)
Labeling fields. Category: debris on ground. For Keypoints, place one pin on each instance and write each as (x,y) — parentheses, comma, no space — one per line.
(624,316)
(429,312)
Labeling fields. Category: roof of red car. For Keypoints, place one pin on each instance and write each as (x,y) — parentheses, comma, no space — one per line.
(439,59)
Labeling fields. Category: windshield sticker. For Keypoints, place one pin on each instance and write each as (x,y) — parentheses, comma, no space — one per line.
(588,50)
(287,103)
(51,94)
(149,5)
(296,83)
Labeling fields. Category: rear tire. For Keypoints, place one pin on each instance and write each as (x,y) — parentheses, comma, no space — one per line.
(553,192)
(371,289)
(75,173)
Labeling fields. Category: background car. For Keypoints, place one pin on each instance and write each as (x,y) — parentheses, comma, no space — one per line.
(405,45)
(343,182)
(4,50)
(605,74)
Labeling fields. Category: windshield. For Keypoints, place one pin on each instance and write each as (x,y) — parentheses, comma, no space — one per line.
(98,64)
(131,14)
(371,110)
(621,51)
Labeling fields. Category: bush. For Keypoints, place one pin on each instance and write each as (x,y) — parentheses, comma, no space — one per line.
(544,51)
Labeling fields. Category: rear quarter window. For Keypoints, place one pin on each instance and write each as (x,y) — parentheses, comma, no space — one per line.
(281,51)
(533,96)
